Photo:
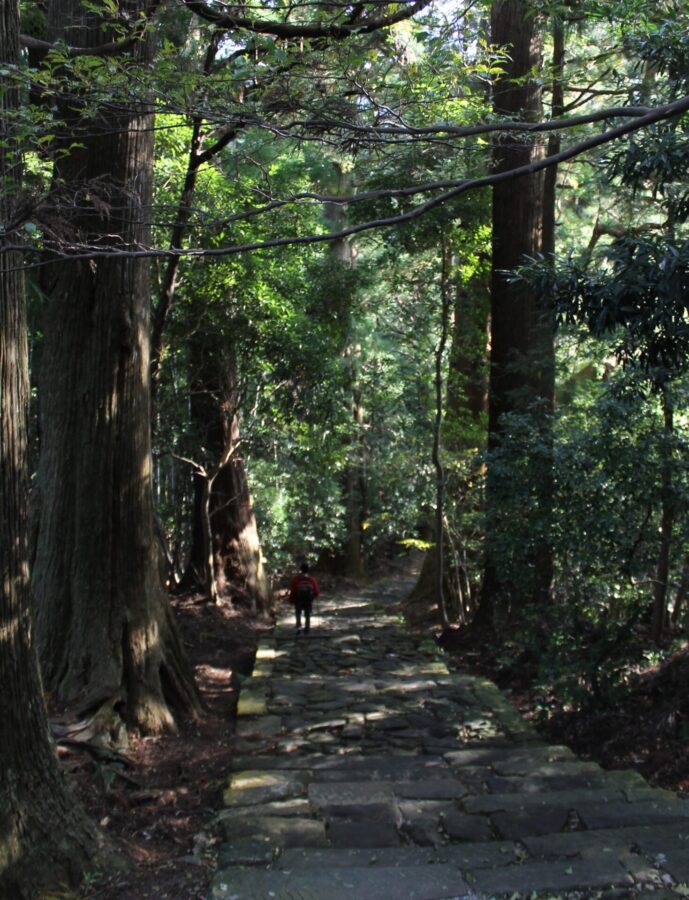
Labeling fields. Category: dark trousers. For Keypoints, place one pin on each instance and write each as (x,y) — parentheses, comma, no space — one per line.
(303,606)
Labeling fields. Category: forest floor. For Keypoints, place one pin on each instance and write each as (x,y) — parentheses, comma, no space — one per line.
(646,730)
(160,806)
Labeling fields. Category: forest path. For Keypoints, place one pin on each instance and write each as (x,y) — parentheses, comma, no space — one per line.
(365,767)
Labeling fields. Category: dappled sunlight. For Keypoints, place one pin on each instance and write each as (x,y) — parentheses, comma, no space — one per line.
(9,627)
(214,681)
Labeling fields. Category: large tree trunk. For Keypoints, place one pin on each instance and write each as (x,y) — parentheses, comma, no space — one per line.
(235,552)
(351,560)
(105,632)
(522,352)
(45,838)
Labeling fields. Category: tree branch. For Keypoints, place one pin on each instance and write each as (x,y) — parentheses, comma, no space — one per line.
(110,49)
(457,188)
(230,21)
(615,112)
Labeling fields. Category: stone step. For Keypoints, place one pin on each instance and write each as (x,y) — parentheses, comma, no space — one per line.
(575,875)
(436,882)
(465,856)
(367,768)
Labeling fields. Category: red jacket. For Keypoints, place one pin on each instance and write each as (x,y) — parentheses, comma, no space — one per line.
(296,580)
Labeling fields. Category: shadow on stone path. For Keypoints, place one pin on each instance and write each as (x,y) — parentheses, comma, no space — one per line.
(365,768)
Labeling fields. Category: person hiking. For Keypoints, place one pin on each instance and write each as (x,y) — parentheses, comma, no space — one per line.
(303,591)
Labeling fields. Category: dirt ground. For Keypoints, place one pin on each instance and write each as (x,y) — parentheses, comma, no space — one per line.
(159,802)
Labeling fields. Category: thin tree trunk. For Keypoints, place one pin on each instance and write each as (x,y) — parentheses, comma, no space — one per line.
(355,484)
(211,581)
(463,428)
(666,522)
(234,555)
(45,838)
(682,591)
(437,459)
(105,632)
(197,158)
(545,327)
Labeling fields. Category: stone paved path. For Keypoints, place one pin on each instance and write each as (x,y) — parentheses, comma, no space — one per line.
(365,769)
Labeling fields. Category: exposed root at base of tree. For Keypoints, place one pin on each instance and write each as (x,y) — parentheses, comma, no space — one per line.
(157,800)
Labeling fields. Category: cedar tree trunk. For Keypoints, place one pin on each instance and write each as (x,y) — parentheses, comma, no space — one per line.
(522,352)
(106,636)
(45,838)
(236,549)
(351,561)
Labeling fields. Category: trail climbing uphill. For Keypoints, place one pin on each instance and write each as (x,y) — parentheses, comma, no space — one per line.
(365,768)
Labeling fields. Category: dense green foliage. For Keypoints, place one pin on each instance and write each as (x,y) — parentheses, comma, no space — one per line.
(330,349)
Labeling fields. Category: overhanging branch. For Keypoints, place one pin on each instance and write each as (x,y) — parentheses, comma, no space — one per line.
(111,48)
(456,189)
(231,21)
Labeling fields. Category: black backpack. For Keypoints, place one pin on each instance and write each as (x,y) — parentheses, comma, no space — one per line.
(305,592)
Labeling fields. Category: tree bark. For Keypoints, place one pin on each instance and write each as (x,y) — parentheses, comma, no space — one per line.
(351,562)
(235,561)
(45,838)
(437,455)
(353,558)
(522,351)
(467,384)
(666,522)
(105,632)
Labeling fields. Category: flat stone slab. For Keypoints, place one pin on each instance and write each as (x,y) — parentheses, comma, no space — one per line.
(259,726)
(507,760)
(255,786)
(252,702)
(518,825)
(382,768)
(460,827)
(362,833)
(246,852)
(644,812)
(552,876)
(467,856)
(293,806)
(430,789)
(400,767)
(437,882)
(650,840)
(339,793)
(277,831)
(517,802)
